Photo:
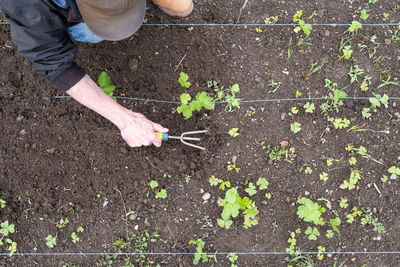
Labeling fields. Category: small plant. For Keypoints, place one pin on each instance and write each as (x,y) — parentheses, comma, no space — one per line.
(309,107)
(354,73)
(312,233)
(323,176)
(315,67)
(251,189)
(394,34)
(183,80)
(334,100)
(364,14)
(202,101)
(200,255)
(355,176)
(354,27)
(161,194)
(350,217)
(214,181)
(394,172)
(368,219)
(335,223)
(5,229)
(362,151)
(339,123)
(275,86)
(74,237)
(2,203)
(153,184)
(307,28)
(232,204)
(278,153)
(310,211)
(262,183)
(232,167)
(321,249)
(63,223)
(227,94)
(234,132)
(104,82)
(295,127)
(232,257)
(378,100)
(347,52)
(387,81)
(51,241)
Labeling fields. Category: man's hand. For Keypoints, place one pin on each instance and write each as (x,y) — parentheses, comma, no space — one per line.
(135,128)
(139,131)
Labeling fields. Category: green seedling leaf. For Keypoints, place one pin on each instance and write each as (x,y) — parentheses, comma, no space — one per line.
(295,127)
(262,183)
(203,100)
(2,203)
(309,107)
(104,80)
(80,229)
(309,211)
(214,181)
(335,223)
(50,241)
(153,184)
(312,233)
(323,176)
(251,190)
(185,98)
(343,203)
(366,113)
(354,27)
(364,14)
(329,233)
(186,110)
(183,80)
(7,228)
(74,237)
(161,194)
(234,132)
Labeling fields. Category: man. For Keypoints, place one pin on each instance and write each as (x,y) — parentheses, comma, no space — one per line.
(43,31)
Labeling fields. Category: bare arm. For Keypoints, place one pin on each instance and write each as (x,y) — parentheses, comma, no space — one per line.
(135,128)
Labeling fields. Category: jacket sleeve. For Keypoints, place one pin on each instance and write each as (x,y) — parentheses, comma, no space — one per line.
(40,34)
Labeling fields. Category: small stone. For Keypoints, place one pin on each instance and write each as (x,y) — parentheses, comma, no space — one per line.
(201,190)
(388,41)
(257,79)
(306,193)
(152,210)
(327,33)
(353,259)
(51,150)
(284,143)
(22,132)
(206,196)
(20,118)
(264,202)
(133,64)
(283,116)
(342,186)
(234,158)
(132,217)
(34,145)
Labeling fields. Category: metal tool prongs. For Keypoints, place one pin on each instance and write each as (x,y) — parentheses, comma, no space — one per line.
(183,137)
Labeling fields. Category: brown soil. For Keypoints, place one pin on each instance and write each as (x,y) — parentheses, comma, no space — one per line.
(58,159)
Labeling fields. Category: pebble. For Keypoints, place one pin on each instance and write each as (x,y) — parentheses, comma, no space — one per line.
(342,186)
(152,210)
(201,190)
(388,41)
(51,150)
(257,79)
(206,196)
(283,116)
(20,118)
(133,64)
(264,202)
(327,33)
(306,193)
(234,158)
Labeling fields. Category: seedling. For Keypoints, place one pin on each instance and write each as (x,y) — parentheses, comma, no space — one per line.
(104,82)
(63,223)
(386,82)
(334,100)
(51,241)
(312,233)
(329,233)
(394,172)
(354,73)
(262,183)
(275,86)
(232,204)
(315,67)
(364,14)
(320,256)
(295,127)
(310,211)
(161,194)
(202,101)
(350,217)
(323,176)
(200,255)
(339,123)
(394,34)
(228,94)
(309,107)
(183,80)
(278,153)
(153,184)
(271,20)
(352,161)
(307,28)
(354,27)
(362,151)
(251,189)
(259,30)
(74,237)
(231,167)
(355,176)
(5,230)
(234,132)
(368,219)
(335,223)
(2,203)
(214,181)
(347,52)
(232,258)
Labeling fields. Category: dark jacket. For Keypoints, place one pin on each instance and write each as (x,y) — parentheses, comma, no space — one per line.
(39,30)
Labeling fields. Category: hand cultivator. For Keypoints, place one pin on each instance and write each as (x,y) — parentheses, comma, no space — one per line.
(183,137)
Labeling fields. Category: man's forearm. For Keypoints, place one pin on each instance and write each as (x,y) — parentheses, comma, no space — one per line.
(135,128)
(90,95)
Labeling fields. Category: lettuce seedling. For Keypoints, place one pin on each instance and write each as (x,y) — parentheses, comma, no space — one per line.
(51,241)
(104,82)
(310,211)
(354,27)
(2,203)
(183,80)
(202,101)
(307,28)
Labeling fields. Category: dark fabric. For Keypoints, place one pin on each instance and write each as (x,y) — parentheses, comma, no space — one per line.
(39,30)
